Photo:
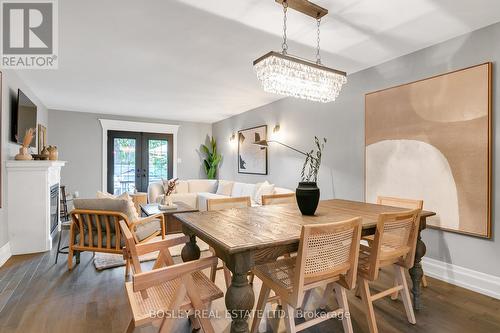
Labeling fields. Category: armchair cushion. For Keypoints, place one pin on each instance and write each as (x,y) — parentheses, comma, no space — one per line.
(144,230)
(131,211)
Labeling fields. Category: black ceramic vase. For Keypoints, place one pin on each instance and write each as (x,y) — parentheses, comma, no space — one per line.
(307,197)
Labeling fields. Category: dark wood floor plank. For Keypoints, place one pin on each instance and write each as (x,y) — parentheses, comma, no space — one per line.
(41,297)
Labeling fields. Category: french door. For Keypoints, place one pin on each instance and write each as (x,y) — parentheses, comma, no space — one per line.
(136,159)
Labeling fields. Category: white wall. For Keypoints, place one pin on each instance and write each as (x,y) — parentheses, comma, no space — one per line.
(10,83)
(78,136)
(342,122)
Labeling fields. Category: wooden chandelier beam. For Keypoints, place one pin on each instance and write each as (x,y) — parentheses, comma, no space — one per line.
(306,7)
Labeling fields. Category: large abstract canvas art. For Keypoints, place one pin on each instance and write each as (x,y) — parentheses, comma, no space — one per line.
(252,158)
(431,140)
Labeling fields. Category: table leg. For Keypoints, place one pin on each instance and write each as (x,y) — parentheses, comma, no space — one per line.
(240,297)
(416,271)
(190,251)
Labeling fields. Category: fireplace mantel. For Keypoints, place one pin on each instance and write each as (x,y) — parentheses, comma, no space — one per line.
(28,204)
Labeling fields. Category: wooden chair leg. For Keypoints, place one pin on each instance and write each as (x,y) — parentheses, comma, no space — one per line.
(166,325)
(307,295)
(70,258)
(424,281)
(357,293)
(367,301)
(290,319)
(261,305)
(213,272)
(252,276)
(394,295)
(227,275)
(405,294)
(341,296)
(131,326)
(127,267)
(194,296)
(326,293)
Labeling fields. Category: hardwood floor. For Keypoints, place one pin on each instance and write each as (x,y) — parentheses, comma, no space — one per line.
(38,296)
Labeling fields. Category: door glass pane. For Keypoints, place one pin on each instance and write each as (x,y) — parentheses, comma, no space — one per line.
(124,165)
(158,160)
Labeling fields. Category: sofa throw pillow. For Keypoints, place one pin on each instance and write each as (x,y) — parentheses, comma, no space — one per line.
(225,187)
(262,189)
(182,187)
(131,212)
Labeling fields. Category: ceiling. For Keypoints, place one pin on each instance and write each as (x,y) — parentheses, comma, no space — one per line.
(192,60)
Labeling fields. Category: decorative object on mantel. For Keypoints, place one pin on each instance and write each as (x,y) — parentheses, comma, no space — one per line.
(283,74)
(24,154)
(307,192)
(53,153)
(252,159)
(211,162)
(167,198)
(42,138)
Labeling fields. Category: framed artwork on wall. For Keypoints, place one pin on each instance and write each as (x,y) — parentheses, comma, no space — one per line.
(1,136)
(431,140)
(252,159)
(42,137)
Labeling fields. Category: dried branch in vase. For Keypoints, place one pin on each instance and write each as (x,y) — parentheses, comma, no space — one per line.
(28,137)
(310,169)
(172,183)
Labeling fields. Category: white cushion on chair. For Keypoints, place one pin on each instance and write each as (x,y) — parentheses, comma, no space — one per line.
(225,187)
(264,189)
(132,213)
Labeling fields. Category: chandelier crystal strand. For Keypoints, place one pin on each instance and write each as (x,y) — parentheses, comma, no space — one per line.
(283,74)
(318,55)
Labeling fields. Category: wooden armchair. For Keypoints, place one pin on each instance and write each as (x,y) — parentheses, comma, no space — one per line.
(393,245)
(168,288)
(99,231)
(327,255)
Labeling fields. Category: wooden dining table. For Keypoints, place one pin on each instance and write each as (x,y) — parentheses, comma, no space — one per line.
(246,237)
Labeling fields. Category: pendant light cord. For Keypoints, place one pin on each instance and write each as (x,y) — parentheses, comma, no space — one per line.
(284,45)
(318,55)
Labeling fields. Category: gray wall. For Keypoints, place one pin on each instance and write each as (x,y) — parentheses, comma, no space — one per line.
(12,82)
(342,122)
(78,136)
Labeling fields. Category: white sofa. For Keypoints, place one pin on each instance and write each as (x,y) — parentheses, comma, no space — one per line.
(195,192)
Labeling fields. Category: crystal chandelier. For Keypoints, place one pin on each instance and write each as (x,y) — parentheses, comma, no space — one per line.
(283,74)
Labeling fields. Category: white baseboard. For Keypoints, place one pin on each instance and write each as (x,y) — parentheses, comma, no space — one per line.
(5,253)
(463,277)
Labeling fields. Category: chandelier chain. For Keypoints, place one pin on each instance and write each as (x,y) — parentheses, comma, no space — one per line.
(284,45)
(318,55)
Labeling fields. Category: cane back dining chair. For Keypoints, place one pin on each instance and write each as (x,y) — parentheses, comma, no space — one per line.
(221,204)
(403,203)
(276,199)
(168,287)
(393,245)
(327,255)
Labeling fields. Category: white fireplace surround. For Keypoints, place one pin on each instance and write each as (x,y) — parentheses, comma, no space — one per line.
(28,201)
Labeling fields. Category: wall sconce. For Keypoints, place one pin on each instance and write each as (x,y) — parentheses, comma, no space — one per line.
(232,137)
(276,128)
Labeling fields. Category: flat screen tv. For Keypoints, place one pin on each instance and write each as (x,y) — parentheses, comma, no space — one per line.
(23,118)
